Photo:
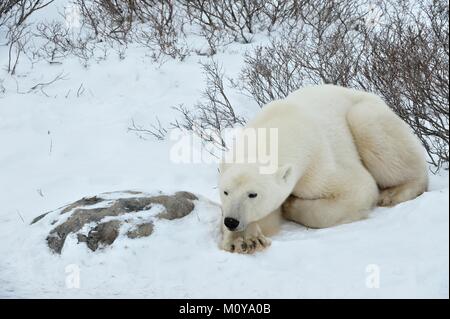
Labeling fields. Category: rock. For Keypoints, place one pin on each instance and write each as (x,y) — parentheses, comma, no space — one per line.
(36,219)
(176,206)
(102,234)
(86,201)
(88,215)
(142,230)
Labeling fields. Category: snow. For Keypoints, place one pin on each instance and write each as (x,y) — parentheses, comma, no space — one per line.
(57,147)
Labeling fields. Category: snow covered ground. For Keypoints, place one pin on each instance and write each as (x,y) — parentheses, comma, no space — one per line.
(69,142)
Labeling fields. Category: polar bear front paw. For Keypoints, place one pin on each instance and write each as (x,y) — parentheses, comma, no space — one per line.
(247,245)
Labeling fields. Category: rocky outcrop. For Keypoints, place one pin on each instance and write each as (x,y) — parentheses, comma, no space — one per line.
(99,220)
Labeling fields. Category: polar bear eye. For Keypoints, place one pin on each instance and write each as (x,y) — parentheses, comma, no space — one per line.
(226,193)
(252,195)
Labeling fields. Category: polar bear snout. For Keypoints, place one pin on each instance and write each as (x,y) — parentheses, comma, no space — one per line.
(231,223)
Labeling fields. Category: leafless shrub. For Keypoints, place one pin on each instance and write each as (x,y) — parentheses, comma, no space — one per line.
(402,55)
(324,47)
(279,12)
(237,20)
(60,40)
(16,12)
(56,36)
(236,17)
(108,19)
(153,23)
(213,113)
(13,21)
(41,86)
(18,37)
(208,118)
(408,65)
(156,130)
(273,71)
(161,27)
(5,9)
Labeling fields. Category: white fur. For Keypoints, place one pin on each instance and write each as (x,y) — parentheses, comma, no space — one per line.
(340,152)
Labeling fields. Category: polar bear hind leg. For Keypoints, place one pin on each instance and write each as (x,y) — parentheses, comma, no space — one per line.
(350,197)
(389,150)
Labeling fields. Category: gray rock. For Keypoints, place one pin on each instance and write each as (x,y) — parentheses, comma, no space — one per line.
(142,230)
(36,219)
(103,234)
(85,201)
(112,205)
(177,206)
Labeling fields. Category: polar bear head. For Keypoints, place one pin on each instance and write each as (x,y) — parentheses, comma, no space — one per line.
(248,196)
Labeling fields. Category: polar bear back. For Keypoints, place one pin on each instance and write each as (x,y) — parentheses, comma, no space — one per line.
(313,120)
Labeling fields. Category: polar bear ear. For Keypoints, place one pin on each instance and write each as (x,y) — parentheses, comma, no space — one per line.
(284,173)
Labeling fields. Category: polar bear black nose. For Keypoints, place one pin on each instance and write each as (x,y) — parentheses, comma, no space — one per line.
(231,223)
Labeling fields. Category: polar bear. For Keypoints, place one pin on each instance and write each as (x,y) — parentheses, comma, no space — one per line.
(340,152)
